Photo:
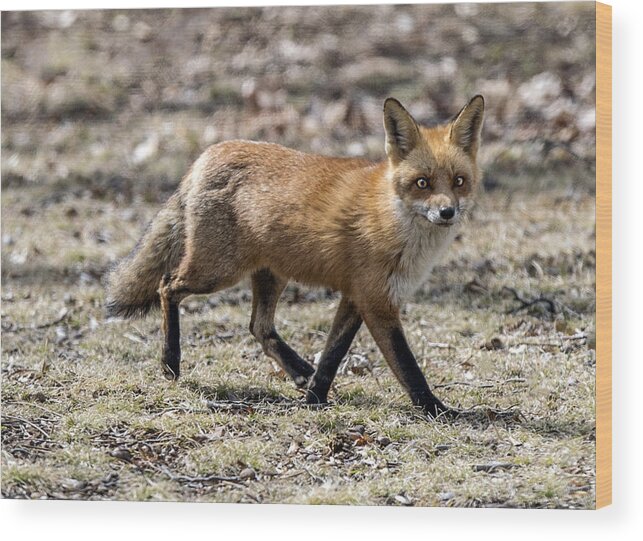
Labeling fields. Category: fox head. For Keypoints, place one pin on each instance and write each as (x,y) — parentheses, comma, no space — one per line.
(434,170)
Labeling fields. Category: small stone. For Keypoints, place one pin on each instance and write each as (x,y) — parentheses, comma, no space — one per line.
(355,433)
(38,396)
(493,466)
(61,334)
(445,496)
(248,474)
(402,499)
(383,441)
(218,433)
(74,485)
(494,344)
(293,448)
(122,454)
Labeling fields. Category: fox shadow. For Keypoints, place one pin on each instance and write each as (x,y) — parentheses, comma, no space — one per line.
(249,399)
(226,396)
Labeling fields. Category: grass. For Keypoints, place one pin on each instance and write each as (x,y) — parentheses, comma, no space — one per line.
(87,414)
(102,113)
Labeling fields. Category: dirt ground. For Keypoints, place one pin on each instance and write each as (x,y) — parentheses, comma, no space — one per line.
(102,113)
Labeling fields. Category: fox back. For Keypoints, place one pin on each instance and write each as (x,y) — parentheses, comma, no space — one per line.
(347,224)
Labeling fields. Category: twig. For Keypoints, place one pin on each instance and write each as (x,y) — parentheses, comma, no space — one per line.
(287,475)
(250,407)
(496,412)
(180,410)
(571,337)
(466,383)
(494,466)
(513,407)
(513,380)
(479,385)
(26,449)
(439,345)
(553,344)
(21,420)
(291,475)
(35,406)
(135,338)
(577,336)
(202,479)
(529,303)
(64,315)
(314,477)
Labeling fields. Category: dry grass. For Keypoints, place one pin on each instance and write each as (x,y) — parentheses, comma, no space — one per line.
(103,111)
(86,413)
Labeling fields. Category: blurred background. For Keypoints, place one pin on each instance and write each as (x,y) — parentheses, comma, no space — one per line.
(117,104)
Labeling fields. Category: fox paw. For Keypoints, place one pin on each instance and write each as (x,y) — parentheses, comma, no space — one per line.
(317,405)
(439,412)
(169,373)
(301,381)
(316,399)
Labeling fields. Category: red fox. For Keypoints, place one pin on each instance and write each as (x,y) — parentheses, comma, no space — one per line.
(371,231)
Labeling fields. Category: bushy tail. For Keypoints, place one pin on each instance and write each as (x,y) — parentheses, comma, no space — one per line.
(132,289)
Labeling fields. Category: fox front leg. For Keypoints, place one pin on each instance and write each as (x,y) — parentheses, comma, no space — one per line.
(345,325)
(385,327)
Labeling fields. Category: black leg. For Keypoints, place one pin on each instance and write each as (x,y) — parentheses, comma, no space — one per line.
(345,325)
(266,290)
(171,357)
(387,331)
(172,348)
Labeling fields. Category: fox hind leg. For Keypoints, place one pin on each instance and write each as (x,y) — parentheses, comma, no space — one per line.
(266,290)
(173,289)
(171,356)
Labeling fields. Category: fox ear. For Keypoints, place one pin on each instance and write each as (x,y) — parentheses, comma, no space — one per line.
(467,125)
(402,133)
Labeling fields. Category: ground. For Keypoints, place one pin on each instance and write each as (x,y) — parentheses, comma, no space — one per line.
(102,113)
(87,413)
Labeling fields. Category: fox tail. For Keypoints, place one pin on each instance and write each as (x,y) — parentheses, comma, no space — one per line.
(132,289)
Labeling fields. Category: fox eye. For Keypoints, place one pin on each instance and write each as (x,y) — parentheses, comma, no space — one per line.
(458,181)
(422,183)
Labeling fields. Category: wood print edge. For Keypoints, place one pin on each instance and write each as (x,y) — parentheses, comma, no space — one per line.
(603,255)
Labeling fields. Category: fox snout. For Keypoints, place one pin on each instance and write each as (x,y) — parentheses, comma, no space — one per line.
(444,215)
(441,209)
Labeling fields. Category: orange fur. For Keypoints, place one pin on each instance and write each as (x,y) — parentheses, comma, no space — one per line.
(369,230)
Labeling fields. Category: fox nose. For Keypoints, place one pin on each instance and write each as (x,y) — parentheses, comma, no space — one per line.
(446,213)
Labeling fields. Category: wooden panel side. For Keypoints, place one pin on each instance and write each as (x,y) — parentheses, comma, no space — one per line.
(603,255)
